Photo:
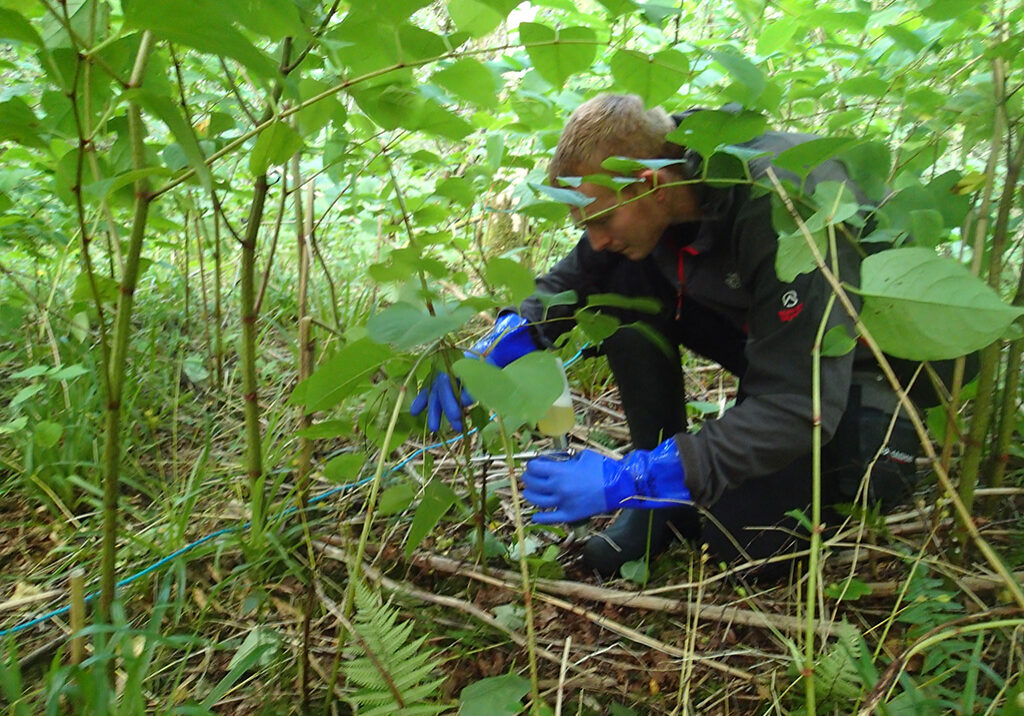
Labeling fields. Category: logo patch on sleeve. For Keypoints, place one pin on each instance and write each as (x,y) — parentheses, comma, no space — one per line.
(791,306)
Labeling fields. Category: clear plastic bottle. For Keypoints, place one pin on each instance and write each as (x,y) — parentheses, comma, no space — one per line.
(560,416)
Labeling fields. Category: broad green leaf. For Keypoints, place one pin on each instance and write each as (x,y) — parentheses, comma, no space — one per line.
(458,189)
(470,80)
(14,26)
(33,371)
(396,499)
(19,123)
(495,151)
(343,373)
(170,114)
(344,468)
(108,289)
(435,119)
(274,19)
(204,26)
(619,7)
(870,85)
(405,325)
(745,72)
(596,326)
(47,433)
(850,589)
(14,426)
(319,114)
(521,392)
(626,165)
(70,372)
(105,187)
(869,165)
(803,158)
(325,430)
(494,696)
(921,306)
(629,303)
(438,498)
(564,196)
(794,255)
(390,11)
(655,77)
(776,34)
(837,342)
(275,145)
(557,54)
(28,392)
(926,227)
(476,18)
(512,275)
(706,131)
(635,571)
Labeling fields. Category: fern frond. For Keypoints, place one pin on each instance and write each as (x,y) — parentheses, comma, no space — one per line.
(397,674)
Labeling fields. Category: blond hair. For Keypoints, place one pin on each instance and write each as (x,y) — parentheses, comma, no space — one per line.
(611,125)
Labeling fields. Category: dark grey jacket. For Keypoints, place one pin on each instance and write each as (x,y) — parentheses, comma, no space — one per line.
(727,262)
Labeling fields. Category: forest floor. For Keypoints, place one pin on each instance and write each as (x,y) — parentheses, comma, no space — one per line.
(692,636)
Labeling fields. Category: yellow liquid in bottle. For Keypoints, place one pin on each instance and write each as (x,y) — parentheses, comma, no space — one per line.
(557,421)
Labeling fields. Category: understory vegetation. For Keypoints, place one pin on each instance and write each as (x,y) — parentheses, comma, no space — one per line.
(237,237)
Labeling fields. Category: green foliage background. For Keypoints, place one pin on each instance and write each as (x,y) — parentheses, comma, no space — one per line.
(159,159)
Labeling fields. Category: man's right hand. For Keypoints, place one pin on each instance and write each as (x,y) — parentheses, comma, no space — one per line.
(509,340)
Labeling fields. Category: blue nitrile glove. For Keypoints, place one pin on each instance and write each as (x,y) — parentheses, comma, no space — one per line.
(589,483)
(509,340)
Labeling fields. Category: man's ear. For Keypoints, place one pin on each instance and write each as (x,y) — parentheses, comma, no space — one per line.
(650,176)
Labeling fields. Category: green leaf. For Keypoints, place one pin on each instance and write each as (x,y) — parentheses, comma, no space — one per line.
(47,434)
(635,571)
(19,123)
(921,306)
(521,392)
(745,72)
(850,589)
(275,19)
(275,145)
(405,325)
(564,196)
(260,646)
(776,34)
(512,275)
(803,158)
(14,426)
(837,342)
(29,391)
(705,131)
(70,372)
(557,54)
(655,77)
(325,430)
(33,371)
(470,80)
(204,26)
(494,696)
(344,468)
(438,498)
(794,256)
(476,18)
(596,326)
(628,303)
(396,498)
(14,26)
(869,165)
(342,374)
(170,114)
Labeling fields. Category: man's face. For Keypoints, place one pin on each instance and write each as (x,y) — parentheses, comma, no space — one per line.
(621,222)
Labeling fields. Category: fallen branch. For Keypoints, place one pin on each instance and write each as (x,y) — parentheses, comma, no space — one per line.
(637,600)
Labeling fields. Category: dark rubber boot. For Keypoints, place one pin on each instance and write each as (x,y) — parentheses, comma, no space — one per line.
(625,540)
